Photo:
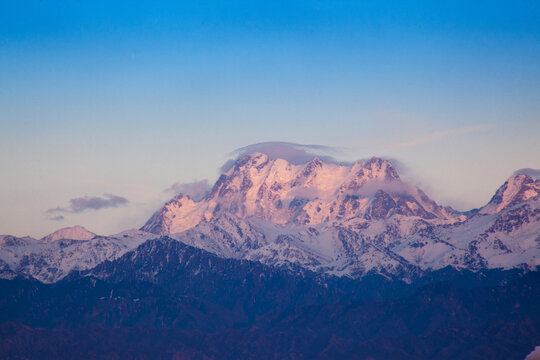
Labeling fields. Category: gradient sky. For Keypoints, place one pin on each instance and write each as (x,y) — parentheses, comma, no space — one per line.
(127,99)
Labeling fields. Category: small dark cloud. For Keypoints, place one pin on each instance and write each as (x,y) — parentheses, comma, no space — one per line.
(57,218)
(80,204)
(195,190)
(534,173)
(56,209)
(294,153)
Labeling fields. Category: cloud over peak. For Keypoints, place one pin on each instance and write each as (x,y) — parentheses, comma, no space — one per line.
(534,173)
(294,153)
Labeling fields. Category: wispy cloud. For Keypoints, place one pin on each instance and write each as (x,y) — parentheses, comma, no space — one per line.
(80,204)
(57,218)
(440,135)
(195,190)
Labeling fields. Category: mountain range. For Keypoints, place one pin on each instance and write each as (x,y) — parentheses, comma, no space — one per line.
(344,220)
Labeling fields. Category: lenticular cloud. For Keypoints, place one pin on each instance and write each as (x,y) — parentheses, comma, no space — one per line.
(294,153)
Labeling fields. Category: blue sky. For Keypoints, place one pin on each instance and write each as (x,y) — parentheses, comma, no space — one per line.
(129,98)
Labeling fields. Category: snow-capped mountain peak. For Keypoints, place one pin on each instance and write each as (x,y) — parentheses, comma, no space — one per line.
(71,233)
(380,169)
(311,193)
(515,190)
